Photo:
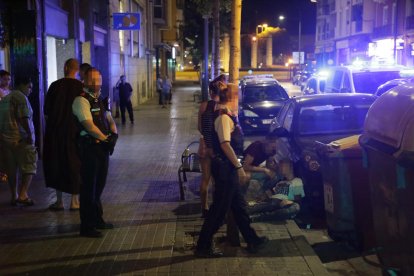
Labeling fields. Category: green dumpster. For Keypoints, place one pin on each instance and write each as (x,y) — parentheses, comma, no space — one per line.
(388,141)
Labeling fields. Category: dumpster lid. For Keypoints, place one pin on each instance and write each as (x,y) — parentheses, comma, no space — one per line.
(390,119)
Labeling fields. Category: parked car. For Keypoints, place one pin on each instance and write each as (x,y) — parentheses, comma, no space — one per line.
(260,100)
(314,85)
(351,79)
(391,84)
(306,121)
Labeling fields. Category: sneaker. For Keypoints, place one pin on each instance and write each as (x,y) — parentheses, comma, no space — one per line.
(211,252)
(255,247)
(91,233)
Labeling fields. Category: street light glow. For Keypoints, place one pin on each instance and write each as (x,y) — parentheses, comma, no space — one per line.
(281,17)
(254,38)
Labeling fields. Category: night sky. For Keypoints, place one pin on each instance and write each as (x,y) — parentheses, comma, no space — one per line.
(255,12)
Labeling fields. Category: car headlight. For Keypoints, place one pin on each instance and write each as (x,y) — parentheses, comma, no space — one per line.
(249,113)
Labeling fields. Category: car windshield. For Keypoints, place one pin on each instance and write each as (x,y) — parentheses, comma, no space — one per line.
(264,93)
(332,119)
(368,82)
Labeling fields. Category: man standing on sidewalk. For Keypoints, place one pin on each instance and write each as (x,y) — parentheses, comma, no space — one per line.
(60,155)
(125,93)
(17,140)
(97,140)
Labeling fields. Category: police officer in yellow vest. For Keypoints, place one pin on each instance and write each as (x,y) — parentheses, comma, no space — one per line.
(97,140)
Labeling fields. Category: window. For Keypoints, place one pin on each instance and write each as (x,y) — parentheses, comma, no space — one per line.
(121,33)
(264,93)
(159,9)
(282,114)
(385,16)
(346,86)
(287,124)
(136,35)
(346,118)
(337,81)
(368,82)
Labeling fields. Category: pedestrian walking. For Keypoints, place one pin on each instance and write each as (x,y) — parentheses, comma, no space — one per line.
(61,164)
(159,89)
(97,140)
(166,90)
(125,93)
(228,174)
(17,138)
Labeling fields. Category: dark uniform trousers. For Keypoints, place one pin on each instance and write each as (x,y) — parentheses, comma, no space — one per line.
(226,195)
(94,170)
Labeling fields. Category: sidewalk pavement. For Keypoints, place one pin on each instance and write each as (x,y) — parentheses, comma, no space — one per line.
(154,232)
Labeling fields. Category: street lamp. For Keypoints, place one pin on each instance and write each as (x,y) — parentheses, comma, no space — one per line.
(282,18)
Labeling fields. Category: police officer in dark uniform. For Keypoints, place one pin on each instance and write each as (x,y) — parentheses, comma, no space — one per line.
(228,173)
(96,142)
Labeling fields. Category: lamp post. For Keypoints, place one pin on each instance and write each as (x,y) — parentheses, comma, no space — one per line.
(281,19)
(253,63)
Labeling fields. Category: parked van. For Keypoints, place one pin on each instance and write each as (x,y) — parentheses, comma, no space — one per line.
(350,79)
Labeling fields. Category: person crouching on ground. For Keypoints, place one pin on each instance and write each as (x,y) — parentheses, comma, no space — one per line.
(97,140)
(227,173)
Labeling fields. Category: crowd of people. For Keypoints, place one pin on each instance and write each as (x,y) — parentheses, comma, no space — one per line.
(80,136)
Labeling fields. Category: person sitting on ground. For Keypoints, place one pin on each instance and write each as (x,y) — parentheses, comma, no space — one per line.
(254,155)
(283,199)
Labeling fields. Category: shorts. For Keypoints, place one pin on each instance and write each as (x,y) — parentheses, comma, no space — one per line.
(21,156)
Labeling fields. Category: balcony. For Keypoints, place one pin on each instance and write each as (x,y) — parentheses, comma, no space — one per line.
(382,31)
(409,22)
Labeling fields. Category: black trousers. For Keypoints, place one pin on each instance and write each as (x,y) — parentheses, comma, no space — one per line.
(94,170)
(226,196)
(128,106)
(159,96)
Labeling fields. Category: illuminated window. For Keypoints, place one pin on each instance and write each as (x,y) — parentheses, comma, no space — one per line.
(121,33)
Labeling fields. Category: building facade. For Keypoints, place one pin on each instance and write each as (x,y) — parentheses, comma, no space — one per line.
(378,31)
(38,36)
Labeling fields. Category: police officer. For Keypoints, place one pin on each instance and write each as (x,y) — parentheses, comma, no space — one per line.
(97,140)
(228,173)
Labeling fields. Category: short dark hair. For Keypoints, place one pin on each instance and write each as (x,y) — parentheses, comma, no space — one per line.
(84,67)
(4,73)
(21,80)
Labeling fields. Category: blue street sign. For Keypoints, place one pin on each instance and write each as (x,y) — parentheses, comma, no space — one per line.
(126,21)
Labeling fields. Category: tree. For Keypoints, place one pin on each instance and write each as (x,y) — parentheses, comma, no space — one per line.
(235,41)
(193,26)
